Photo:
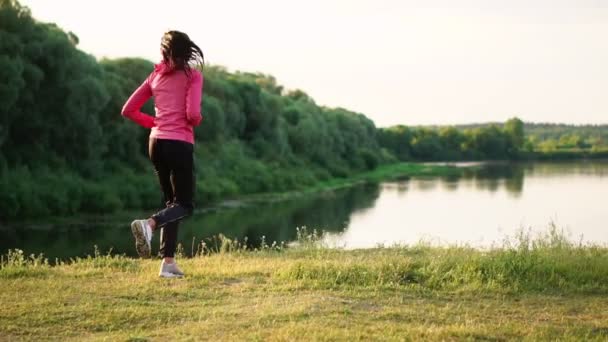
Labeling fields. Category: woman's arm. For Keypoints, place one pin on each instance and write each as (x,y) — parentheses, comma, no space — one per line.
(193,99)
(132,108)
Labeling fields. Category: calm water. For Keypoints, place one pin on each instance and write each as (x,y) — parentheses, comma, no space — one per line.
(478,208)
(482,208)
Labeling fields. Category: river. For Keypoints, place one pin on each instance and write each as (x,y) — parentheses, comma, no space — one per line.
(479,208)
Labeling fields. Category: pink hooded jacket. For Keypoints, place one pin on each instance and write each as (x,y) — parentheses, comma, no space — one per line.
(177,103)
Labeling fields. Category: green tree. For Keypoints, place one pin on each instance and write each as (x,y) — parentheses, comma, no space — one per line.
(491,142)
(426,144)
(451,141)
(398,140)
(514,130)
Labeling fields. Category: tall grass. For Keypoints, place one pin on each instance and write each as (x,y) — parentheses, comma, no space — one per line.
(548,262)
(525,262)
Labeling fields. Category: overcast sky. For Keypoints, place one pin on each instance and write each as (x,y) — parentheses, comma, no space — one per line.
(396,61)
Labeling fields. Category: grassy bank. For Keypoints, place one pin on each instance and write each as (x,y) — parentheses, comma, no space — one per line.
(397,171)
(44,192)
(535,289)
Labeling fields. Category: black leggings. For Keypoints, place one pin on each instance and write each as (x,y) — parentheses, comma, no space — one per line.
(174,165)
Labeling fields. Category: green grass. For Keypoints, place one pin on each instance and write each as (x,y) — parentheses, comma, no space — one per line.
(545,288)
(387,172)
(399,171)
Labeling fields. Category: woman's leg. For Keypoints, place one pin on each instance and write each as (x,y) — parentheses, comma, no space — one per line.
(161,161)
(168,240)
(143,229)
(181,179)
(162,168)
(179,185)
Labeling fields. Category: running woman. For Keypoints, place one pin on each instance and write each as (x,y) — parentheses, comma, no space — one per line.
(177,90)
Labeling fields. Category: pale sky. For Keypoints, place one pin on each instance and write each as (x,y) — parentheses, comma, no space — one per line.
(396,61)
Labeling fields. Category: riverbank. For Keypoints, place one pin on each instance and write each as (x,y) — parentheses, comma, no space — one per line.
(388,172)
(536,289)
(565,154)
(61,197)
(47,194)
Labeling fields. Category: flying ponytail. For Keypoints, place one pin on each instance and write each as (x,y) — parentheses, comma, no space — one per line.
(179,51)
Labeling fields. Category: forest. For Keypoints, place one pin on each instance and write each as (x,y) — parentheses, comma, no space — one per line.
(65,148)
(512,140)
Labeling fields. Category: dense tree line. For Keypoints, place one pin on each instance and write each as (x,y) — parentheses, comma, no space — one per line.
(511,140)
(547,137)
(450,143)
(551,137)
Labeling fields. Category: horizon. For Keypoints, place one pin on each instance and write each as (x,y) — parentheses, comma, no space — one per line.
(472,63)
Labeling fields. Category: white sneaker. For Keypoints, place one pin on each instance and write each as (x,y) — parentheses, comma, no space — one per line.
(143,236)
(170,270)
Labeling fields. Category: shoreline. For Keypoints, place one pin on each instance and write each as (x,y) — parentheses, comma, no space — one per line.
(382,173)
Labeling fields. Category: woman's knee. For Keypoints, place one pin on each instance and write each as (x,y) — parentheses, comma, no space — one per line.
(188,208)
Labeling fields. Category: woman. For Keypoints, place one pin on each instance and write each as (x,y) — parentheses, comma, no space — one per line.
(177,90)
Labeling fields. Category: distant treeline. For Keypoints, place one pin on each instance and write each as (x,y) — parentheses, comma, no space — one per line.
(64,147)
(553,136)
(450,143)
(511,140)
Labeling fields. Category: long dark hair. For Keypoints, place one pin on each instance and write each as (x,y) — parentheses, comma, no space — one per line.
(178,51)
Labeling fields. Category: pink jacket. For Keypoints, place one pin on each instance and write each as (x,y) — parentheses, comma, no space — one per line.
(177,103)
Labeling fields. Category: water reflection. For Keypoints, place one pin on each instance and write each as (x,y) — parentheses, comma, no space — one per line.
(480,205)
(492,177)
(508,176)
(483,205)
(276,221)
